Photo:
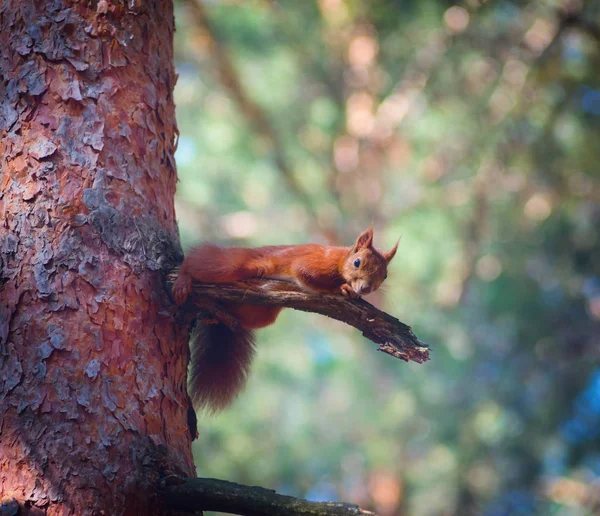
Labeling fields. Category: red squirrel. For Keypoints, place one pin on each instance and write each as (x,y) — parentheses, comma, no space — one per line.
(220,356)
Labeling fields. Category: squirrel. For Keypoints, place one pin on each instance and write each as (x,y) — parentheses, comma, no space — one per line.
(221,356)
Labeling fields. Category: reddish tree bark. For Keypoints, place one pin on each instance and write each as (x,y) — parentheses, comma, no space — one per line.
(93,404)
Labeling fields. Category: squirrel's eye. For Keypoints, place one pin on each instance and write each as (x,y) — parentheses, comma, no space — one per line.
(385,277)
(357,263)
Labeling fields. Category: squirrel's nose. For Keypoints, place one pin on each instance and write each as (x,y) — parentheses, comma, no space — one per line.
(365,287)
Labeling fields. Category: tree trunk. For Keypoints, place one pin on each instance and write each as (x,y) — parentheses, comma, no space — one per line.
(93,404)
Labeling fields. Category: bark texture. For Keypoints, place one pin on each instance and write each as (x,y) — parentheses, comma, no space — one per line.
(93,404)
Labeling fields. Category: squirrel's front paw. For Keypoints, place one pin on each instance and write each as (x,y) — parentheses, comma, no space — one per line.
(348,291)
(181,289)
(260,272)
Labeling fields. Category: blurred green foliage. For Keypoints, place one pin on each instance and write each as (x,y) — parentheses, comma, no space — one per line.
(472,130)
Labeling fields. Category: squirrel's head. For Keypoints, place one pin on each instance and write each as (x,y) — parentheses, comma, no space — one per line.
(365,267)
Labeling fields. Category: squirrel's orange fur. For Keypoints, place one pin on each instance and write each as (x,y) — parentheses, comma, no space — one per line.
(221,357)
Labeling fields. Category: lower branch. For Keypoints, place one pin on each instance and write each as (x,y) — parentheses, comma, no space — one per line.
(393,336)
(208,494)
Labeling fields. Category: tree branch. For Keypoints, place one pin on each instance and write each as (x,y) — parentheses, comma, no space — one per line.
(209,494)
(393,336)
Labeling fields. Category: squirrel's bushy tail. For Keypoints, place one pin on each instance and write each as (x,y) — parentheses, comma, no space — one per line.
(220,363)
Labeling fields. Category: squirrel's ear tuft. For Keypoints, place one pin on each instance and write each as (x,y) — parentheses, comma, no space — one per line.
(391,253)
(364,240)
